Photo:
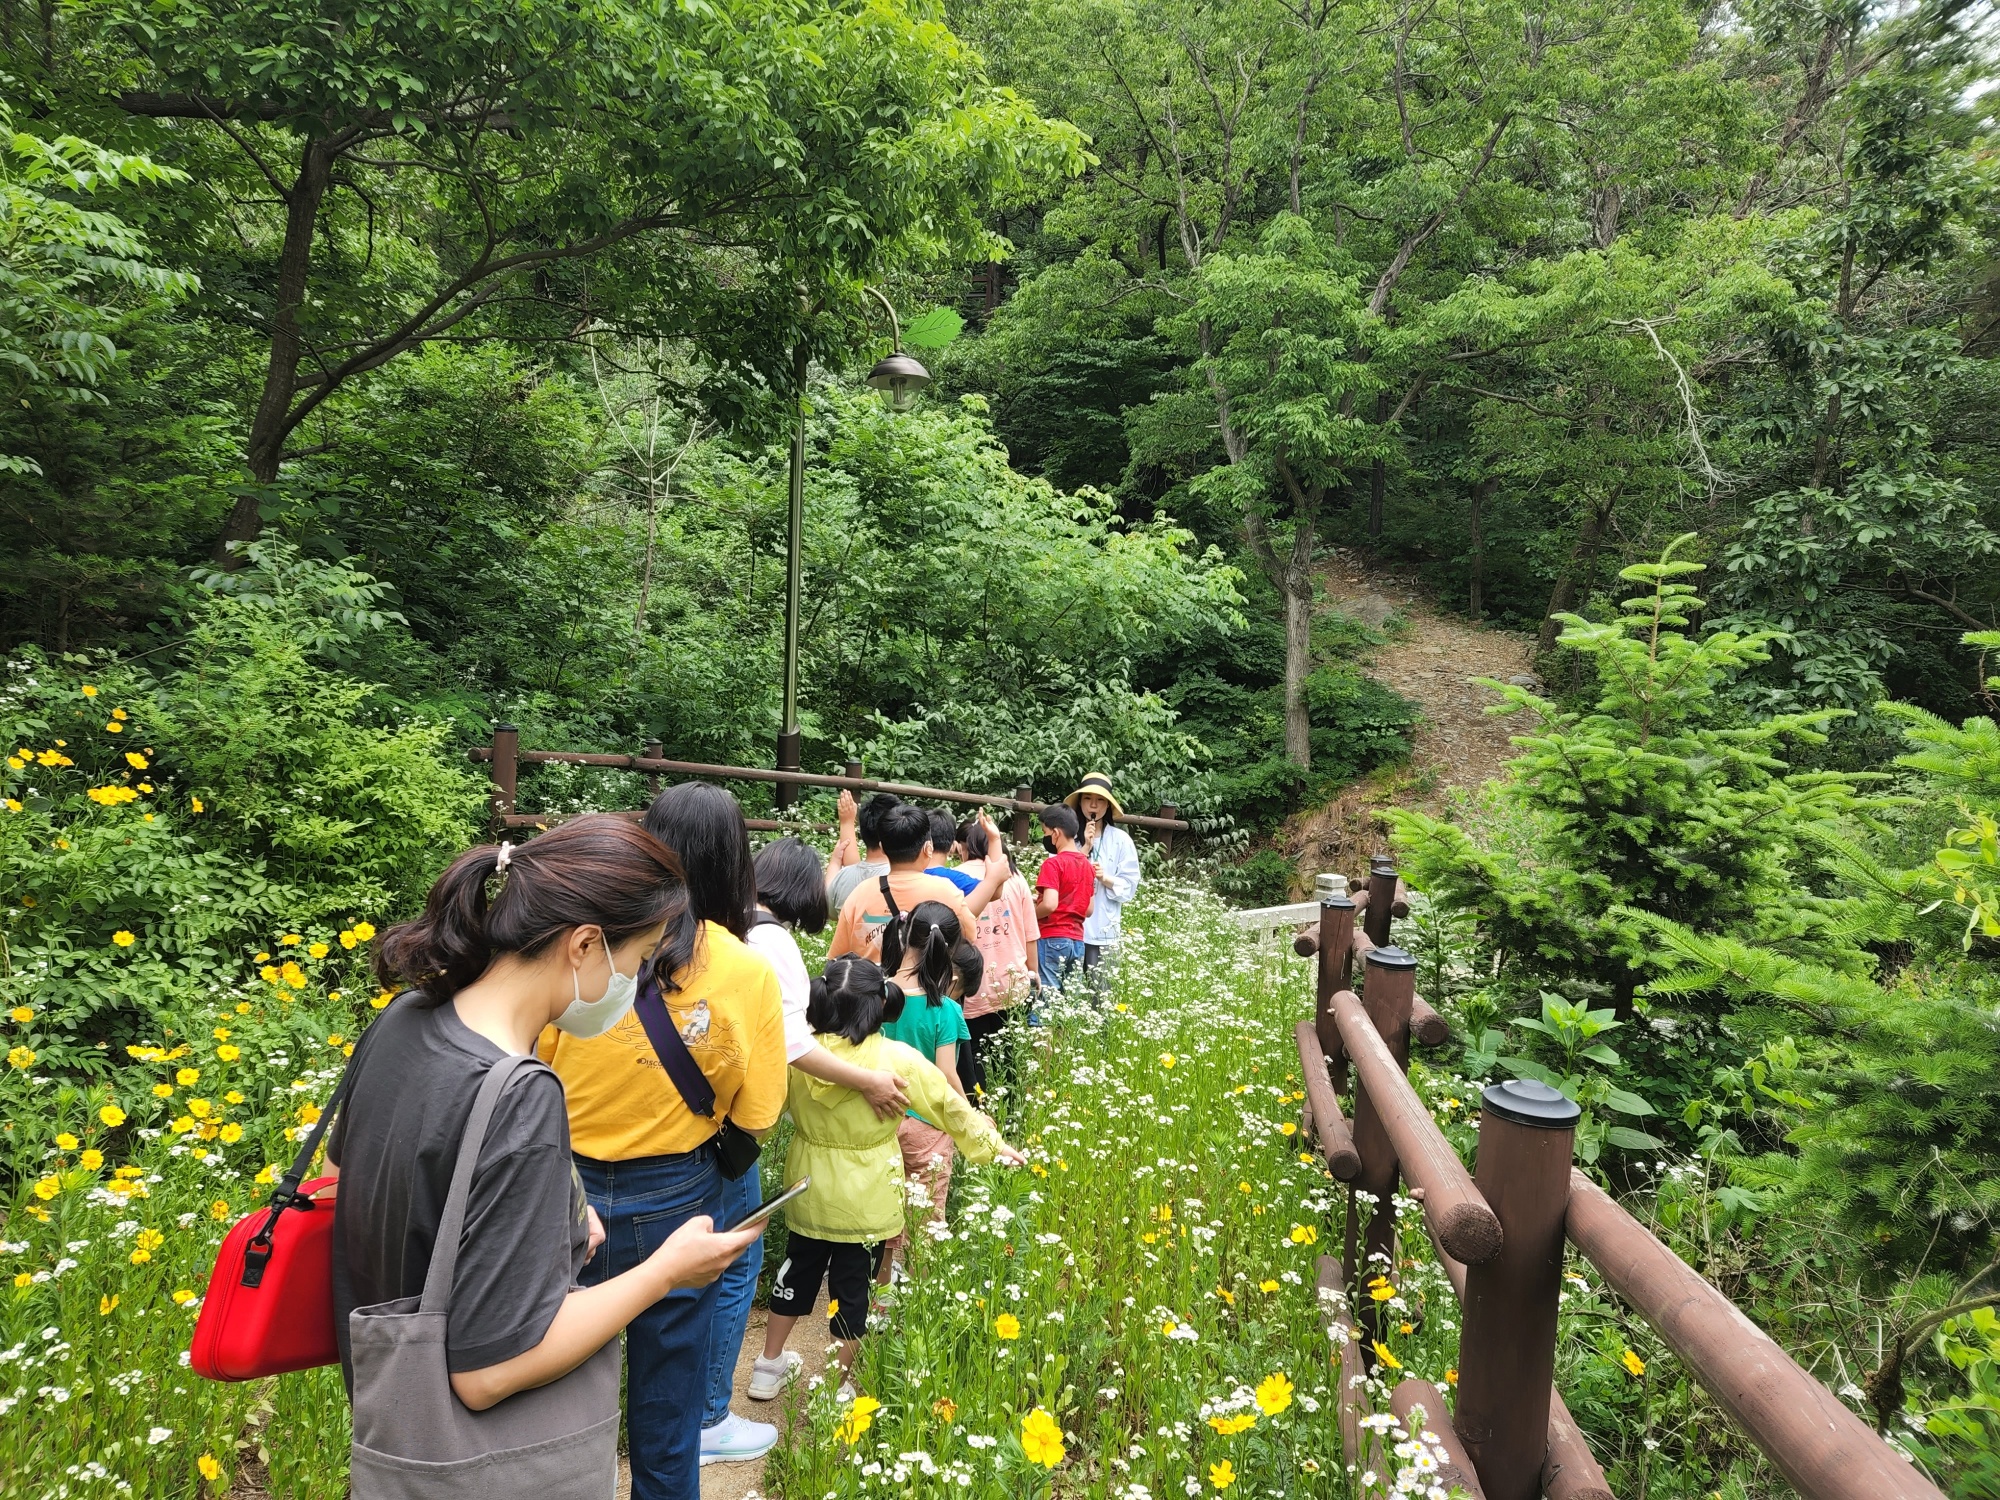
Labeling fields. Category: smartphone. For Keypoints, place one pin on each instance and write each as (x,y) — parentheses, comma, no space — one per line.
(763,1212)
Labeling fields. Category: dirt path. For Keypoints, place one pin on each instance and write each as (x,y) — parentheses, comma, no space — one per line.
(1433,660)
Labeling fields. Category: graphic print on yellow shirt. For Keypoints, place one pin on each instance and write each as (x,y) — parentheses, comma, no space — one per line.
(623,1105)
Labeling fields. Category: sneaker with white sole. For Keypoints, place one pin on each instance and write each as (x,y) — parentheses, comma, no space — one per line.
(846,1393)
(770,1376)
(736,1440)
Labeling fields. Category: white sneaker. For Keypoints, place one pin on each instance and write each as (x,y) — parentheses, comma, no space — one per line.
(845,1395)
(736,1440)
(770,1376)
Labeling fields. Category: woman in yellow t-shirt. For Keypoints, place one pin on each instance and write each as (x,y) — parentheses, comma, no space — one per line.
(648,1162)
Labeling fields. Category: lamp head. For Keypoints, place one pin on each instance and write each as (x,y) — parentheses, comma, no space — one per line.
(898,378)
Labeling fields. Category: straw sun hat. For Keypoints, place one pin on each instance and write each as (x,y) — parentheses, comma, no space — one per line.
(1096,784)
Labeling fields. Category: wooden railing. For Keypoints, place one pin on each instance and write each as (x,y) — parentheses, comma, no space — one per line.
(1499,1232)
(506,758)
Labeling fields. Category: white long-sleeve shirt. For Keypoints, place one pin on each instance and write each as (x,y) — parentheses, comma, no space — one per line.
(1116,858)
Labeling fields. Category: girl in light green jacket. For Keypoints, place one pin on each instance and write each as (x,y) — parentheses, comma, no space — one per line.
(855,1204)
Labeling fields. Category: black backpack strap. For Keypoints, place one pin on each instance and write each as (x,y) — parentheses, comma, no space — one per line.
(696,1092)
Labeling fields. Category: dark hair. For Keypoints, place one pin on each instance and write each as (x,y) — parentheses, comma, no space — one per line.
(868,821)
(852,998)
(704,827)
(972,834)
(598,870)
(1056,815)
(944,833)
(932,930)
(905,831)
(791,883)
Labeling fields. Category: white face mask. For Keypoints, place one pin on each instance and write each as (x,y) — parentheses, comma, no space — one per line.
(589,1018)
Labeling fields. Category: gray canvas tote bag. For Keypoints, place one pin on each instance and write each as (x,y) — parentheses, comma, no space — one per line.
(414,1440)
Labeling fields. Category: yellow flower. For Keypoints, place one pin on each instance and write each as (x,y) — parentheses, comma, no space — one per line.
(1405,1328)
(112,796)
(269,1175)
(66,1142)
(47,1188)
(317,950)
(135,760)
(218,1210)
(294,976)
(231,1134)
(1634,1365)
(123,938)
(382,999)
(243,1007)
(195,804)
(833,1307)
(20,1057)
(1149,1237)
(12,805)
(106,1306)
(944,1409)
(119,714)
(1221,1475)
(1166,1212)
(114,727)
(1242,1187)
(308,1114)
(90,1161)
(1230,1426)
(207,1132)
(1382,1353)
(163,1091)
(200,1108)
(1288,1128)
(1267,1286)
(290,940)
(22,1278)
(1451,1377)
(222,1033)
(182,1125)
(210,1469)
(21,1014)
(1041,1439)
(1304,1234)
(335,1040)
(234,1096)
(228,1052)
(187,1076)
(1167,1059)
(347,939)
(363,931)
(1380,1290)
(89,691)
(1226,1295)
(1274,1393)
(183,1296)
(860,1417)
(269,974)
(112,1115)
(1007,1326)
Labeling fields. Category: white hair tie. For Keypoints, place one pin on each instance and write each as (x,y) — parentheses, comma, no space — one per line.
(500,864)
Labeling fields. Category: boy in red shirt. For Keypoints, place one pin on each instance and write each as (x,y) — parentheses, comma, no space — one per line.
(1063,889)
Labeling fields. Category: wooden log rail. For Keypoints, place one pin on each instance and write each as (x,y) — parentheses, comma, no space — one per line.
(506,757)
(1499,1233)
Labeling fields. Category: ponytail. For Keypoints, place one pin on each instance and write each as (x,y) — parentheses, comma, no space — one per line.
(852,998)
(934,931)
(597,870)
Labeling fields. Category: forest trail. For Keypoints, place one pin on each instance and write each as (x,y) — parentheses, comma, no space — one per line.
(1434,660)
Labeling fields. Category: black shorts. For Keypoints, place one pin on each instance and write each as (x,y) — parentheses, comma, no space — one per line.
(849,1271)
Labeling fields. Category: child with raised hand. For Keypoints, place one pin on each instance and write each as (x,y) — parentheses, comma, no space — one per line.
(840,1225)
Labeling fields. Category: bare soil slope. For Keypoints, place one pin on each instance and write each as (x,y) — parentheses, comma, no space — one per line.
(1435,660)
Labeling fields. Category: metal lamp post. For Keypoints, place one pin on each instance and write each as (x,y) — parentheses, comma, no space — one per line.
(899,378)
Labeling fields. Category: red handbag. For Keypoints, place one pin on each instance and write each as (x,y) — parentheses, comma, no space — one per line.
(269,1308)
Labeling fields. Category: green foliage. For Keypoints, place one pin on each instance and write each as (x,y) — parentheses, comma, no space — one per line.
(1264,879)
(1656,800)
(1580,1067)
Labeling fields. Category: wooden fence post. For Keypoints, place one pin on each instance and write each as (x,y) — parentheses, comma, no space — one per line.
(1024,807)
(1336,949)
(506,772)
(1391,984)
(1381,899)
(652,750)
(785,794)
(852,770)
(1507,1341)
(1168,810)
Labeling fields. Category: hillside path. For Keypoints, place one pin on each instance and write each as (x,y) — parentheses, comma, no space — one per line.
(1434,661)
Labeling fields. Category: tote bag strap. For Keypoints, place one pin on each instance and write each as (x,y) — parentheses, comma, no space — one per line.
(444,1249)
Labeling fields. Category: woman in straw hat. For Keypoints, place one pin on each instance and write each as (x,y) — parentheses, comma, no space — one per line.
(1116,859)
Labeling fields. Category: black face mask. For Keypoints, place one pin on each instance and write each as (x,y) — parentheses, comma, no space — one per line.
(1048,843)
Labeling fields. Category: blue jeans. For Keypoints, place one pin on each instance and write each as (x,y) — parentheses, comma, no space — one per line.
(641,1202)
(736,1289)
(1059,957)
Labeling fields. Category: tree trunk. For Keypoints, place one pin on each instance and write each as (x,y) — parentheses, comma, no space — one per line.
(270,427)
(1378,478)
(1476,604)
(1564,597)
(1298,665)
